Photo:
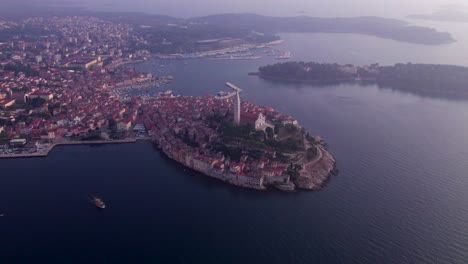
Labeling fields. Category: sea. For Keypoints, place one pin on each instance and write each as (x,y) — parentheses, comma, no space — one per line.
(401,195)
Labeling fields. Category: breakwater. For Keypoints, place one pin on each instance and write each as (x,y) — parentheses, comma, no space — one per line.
(43,152)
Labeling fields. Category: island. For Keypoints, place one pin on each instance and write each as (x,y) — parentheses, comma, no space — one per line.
(431,80)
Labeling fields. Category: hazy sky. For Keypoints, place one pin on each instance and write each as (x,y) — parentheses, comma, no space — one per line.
(326,8)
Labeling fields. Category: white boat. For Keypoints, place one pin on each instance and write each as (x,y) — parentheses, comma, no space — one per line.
(99,203)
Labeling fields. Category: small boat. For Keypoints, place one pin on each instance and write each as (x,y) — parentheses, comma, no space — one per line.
(99,203)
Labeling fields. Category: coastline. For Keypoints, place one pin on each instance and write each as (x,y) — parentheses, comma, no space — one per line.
(268,77)
(225,177)
(313,176)
(45,152)
(317,172)
(120,64)
(429,89)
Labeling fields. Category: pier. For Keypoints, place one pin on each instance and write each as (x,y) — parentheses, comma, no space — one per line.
(49,147)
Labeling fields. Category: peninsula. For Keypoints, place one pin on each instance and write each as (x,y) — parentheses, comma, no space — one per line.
(220,136)
(238,142)
(425,79)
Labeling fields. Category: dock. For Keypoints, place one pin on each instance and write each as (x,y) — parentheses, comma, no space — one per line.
(44,152)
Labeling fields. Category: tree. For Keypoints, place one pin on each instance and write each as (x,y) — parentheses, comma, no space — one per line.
(277,128)
(36,102)
(234,153)
(259,135)
(112,124)
(291,144)
(311,152)
(283,158)
(291,128)
(310,138)
(269,132)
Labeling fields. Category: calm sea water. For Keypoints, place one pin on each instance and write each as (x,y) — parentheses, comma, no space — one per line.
(401,195)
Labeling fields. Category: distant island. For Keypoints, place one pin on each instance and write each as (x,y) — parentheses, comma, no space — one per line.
(426,79)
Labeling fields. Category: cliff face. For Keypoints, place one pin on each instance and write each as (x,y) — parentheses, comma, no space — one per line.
(315,174)
(206,169)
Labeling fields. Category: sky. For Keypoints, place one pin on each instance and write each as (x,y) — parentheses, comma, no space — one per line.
(322,8)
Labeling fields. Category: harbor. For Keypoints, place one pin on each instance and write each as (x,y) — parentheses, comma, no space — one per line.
(125,92)
(239,52)
(242,56)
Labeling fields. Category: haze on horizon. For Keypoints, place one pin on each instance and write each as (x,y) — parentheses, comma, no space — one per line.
(318,8)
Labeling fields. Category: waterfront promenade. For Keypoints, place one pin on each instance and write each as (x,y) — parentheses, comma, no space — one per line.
(48,147)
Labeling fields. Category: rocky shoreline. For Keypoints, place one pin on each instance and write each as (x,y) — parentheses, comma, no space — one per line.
(313,176)
(318,82)
(317,173)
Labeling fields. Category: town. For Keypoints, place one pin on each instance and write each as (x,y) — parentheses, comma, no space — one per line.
(238,142)
(63,83)
(64,86)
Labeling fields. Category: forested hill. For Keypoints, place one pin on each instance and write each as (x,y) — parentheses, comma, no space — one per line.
(376,26)
(426,79)
(307,71)
(237,25)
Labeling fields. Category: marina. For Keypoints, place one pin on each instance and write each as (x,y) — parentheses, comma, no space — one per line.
(250,57)
(142,89)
